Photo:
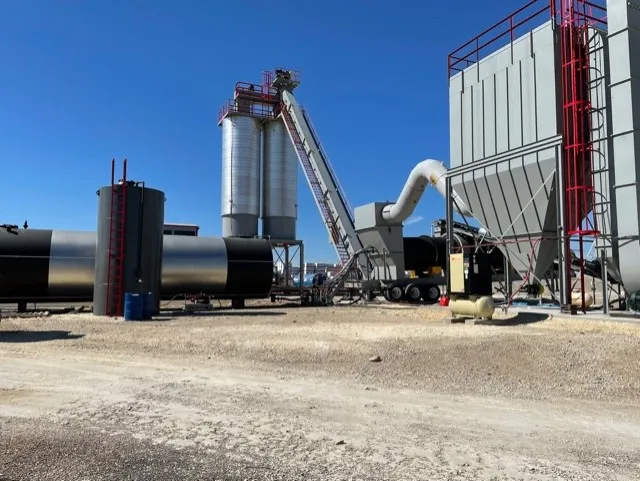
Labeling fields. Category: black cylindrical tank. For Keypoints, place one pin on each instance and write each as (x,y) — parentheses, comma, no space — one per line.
(55,265)
(24,262)
(141,250)
(249,267)
(424,252)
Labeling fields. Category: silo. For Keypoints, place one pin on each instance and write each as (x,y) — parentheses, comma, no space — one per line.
(279,182)
(142,248)
(240,176)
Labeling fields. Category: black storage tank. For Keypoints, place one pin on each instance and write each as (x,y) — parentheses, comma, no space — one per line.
(143,243)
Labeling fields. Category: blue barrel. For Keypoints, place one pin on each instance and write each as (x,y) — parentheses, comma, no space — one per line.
(132,307)
(148,305)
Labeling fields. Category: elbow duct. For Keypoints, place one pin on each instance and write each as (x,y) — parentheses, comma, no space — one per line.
(427,172)
(56,265)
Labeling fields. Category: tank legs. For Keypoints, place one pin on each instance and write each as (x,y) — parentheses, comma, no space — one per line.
(237,303)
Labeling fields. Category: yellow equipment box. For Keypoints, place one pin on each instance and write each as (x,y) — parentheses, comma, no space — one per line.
(456,272)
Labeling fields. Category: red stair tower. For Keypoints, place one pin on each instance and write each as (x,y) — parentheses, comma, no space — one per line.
(576,18)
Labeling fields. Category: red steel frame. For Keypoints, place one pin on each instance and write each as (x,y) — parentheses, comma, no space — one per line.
(115,266)
(575,17)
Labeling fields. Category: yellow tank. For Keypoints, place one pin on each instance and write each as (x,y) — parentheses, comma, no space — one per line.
(476,307)
(576,299)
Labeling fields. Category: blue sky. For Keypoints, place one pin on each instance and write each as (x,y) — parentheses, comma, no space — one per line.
(83,82)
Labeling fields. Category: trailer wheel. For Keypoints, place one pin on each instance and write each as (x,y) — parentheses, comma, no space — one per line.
(413,293)
(395,293)
(431,294)
(385,294)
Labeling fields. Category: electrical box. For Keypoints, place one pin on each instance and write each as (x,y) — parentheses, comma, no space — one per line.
(471,274)
(456,273)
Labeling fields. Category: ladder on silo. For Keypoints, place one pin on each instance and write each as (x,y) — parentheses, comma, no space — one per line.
(331,202)
(117,224)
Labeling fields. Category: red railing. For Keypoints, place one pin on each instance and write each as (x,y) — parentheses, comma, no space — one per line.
(256,92)
(258,99)
(255,109)
(519,22)
(508,28)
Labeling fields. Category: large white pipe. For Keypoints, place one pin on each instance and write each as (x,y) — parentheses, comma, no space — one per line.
(427,172)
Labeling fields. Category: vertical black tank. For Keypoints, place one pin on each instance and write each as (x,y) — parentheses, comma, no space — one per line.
(143,241)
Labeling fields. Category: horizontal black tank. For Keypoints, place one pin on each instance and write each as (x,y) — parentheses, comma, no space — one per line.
(424,252)
(54,265)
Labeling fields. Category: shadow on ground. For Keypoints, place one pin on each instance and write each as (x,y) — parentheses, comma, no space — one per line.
(170,315)
(519,319)
(37,336)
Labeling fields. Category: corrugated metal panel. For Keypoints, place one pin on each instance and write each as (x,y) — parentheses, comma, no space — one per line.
(279,182)
(624,46)
(240,175)
(505,123)
(507,100)
(515,199)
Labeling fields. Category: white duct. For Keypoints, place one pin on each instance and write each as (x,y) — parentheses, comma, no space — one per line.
(427,172)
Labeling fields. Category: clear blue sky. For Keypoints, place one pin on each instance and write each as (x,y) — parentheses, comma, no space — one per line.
(83,82)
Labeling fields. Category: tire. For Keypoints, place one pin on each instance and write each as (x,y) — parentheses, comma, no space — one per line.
(412,293)
(431,294)
(385,294)
(395,293)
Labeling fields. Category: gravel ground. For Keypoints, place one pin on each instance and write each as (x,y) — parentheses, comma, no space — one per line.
(286,393)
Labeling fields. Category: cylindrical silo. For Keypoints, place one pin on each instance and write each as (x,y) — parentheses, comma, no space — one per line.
(240,176)
(141,251)
(279,182)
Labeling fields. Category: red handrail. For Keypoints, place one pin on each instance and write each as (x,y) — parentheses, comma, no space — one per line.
(469,53)
(594,12)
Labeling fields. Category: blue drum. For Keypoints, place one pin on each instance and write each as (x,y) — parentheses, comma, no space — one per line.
(133,307)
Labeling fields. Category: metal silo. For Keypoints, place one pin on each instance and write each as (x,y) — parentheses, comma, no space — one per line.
(280,183)
(240,176)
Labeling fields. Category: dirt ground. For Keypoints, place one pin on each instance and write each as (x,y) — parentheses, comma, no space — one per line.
(293,394)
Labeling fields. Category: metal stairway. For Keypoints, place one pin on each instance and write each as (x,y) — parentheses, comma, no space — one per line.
(117,224)
(324,186)
(337,282)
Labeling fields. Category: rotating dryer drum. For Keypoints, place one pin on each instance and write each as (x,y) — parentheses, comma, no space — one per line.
(279,183)
(240,176)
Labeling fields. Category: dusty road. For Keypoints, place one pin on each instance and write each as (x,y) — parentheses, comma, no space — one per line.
(291,394)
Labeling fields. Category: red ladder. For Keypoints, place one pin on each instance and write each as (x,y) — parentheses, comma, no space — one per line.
(316,188)
(117,219)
